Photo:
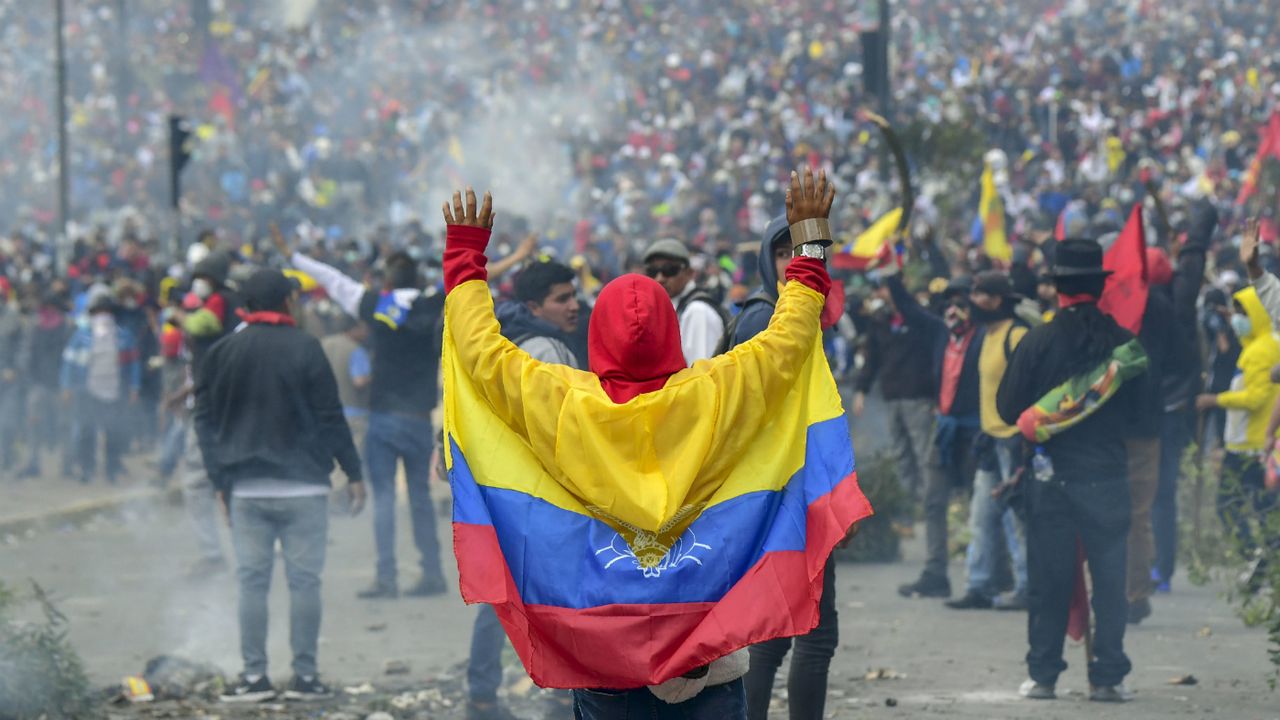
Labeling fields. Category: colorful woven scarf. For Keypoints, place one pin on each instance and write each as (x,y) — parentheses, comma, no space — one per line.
(1068,404)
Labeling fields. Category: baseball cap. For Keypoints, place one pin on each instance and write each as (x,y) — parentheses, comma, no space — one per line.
(993,282)
(267,290)
(667,247)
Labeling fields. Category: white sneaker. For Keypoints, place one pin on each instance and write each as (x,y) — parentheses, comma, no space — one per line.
(1033,690)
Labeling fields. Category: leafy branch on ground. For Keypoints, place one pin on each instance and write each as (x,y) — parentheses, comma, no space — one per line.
(1211,554)
(41,676)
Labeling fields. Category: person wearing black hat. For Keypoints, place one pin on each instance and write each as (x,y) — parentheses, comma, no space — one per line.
(958,342)
(1080,489)
(995,532)
(270,426)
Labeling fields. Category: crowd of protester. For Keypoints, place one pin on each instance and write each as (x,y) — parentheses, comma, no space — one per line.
(680,124)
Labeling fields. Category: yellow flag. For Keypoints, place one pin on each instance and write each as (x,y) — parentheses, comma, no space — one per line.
(868,244)
(991,211)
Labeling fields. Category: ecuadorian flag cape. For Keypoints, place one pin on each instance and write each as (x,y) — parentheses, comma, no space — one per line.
(626,544)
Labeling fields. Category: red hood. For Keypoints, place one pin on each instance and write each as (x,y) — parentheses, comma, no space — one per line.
(633,342)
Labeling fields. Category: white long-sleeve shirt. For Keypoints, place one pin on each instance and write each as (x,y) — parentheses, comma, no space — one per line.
(700,327)
(343,290)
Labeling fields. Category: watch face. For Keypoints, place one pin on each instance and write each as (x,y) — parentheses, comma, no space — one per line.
(811,250)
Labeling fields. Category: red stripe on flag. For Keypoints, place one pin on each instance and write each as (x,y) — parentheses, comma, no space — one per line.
(648,644)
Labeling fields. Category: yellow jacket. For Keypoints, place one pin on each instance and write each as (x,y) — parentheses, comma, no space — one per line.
(1252,394)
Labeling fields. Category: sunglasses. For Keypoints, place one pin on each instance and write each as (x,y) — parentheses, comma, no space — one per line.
(668,270)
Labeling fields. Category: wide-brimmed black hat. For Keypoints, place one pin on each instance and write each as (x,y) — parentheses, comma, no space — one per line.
(1077,258)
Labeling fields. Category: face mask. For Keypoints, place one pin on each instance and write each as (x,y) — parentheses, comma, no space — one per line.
(1241,325)
(983,316)
(202,288)
(101,323)
(957,320)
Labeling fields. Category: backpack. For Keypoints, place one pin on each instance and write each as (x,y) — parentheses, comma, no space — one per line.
(703,296)
(731,327)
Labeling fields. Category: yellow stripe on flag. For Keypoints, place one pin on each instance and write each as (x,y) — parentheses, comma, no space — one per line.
(991,210)
(558,437)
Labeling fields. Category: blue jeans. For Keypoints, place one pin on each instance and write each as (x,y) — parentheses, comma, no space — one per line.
(1174,436)
(393,439)
(992,521)
(301,525)
(718,702)
(173,442)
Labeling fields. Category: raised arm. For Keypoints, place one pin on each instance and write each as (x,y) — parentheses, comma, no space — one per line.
(343,290)
(1267,285)
(501,372)
(769,365)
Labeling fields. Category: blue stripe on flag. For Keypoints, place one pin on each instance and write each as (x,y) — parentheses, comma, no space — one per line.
(565,559)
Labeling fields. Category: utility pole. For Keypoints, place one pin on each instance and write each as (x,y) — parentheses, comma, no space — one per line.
(875,73)
(64,173)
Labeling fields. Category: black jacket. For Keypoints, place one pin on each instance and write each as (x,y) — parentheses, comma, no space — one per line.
(267,408)
(966,401)
(1165,352)
(406,358)
(903,359)
(1183,377)
(1094,450)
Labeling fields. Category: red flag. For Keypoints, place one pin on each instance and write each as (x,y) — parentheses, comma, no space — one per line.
(1268,147)
(1078,612)
(1125,295)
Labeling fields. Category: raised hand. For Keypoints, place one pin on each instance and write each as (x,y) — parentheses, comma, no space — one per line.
(460,214)
(808,199)
(1249,248)
(277,239)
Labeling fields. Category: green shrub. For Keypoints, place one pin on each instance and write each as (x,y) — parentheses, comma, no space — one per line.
(877,539)
(41,676)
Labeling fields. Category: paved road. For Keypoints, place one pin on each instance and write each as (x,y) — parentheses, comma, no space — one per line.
(121,585)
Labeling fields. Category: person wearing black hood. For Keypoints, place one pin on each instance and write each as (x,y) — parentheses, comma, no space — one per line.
(812,652)
(775,253)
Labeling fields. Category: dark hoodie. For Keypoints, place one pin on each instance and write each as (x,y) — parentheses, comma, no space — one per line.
(755,314)
(519,326)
